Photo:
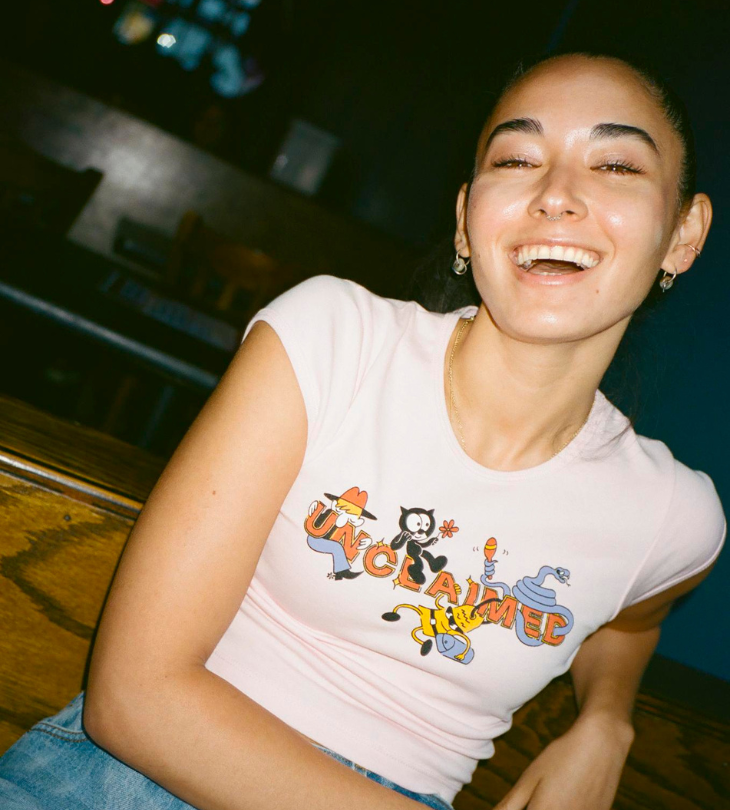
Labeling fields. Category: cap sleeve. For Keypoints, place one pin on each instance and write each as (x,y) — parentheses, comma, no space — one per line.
(690,539)
(322,324)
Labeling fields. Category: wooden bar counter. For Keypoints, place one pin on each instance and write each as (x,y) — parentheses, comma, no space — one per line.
(69,497)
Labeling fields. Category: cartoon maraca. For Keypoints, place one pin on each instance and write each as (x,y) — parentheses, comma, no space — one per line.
(489,548)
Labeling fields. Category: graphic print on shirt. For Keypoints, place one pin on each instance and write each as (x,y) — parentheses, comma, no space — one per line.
(530,606)
(524,607)
(535,599)
(416,526)
(332,530)
(448,626)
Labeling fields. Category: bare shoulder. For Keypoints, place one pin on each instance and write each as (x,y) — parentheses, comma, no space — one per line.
(255,415)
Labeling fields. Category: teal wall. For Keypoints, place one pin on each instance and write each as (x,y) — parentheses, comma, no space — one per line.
(688,408)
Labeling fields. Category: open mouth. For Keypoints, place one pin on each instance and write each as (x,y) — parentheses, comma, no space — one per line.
(554,260)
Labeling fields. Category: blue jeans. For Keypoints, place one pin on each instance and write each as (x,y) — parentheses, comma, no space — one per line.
(55,766)
(333,548)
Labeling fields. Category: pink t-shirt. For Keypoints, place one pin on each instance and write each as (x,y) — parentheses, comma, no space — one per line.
(366,625)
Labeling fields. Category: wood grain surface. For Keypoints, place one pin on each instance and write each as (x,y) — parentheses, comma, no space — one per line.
(68,450)
(57,557)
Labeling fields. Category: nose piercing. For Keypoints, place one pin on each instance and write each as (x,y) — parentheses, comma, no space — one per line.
(553,219)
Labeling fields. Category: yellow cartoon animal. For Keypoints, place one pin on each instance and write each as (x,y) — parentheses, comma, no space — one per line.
(447,626)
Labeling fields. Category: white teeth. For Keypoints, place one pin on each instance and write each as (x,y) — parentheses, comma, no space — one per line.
(528,254)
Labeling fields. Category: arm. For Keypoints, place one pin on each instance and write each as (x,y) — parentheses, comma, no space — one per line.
(582,768)
(185,570)
(608,668)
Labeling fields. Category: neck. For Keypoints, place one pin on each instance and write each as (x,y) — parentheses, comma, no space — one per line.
(520,403)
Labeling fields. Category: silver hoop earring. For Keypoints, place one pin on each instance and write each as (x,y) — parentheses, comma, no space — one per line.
(460,266)
(667,280)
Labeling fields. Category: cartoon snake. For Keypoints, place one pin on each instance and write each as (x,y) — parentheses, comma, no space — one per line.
(530,592)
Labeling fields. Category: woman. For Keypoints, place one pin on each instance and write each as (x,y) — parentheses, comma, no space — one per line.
(442,511)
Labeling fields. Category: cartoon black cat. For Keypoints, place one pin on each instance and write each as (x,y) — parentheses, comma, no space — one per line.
(416,526)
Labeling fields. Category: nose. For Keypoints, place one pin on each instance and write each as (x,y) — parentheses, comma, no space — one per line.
(557,194)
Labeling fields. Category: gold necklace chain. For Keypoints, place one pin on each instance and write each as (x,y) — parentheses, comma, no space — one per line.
(454,411)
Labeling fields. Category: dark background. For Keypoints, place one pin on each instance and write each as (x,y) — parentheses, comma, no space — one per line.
(406,86)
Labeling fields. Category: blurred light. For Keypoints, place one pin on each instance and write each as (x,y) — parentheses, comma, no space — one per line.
(166,40)
(229,79)
(212,10)
(185,41)
(106,2)
(233,77)
(194,47)
(136,23)
(239,22)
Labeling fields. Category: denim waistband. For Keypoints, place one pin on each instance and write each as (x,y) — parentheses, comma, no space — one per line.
(432,800)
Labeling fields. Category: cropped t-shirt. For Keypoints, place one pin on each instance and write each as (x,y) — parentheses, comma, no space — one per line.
(409,600)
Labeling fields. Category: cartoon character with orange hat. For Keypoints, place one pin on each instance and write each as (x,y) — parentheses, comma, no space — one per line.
(326,528)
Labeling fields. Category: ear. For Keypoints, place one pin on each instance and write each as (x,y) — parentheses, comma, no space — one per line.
(461,238)
(692,230)
(403,511)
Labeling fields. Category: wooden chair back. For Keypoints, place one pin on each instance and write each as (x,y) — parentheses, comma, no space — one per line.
(69,497)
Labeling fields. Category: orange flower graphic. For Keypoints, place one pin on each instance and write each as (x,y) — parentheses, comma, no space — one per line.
(447,529)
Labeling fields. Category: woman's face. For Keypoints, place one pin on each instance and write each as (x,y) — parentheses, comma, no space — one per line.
(613,188)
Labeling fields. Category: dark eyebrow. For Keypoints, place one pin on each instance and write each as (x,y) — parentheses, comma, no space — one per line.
(621,131)
(531,126)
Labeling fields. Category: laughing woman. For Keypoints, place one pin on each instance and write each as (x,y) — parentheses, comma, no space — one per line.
(389,528)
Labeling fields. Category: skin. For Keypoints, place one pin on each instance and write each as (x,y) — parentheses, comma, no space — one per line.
(526,371)
(535,355)
(192,553)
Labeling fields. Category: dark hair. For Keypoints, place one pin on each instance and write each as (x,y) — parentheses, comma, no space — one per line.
(437,288)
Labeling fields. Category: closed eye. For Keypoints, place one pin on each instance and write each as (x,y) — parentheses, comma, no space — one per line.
(517,162)
(612,167)
(617,167)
